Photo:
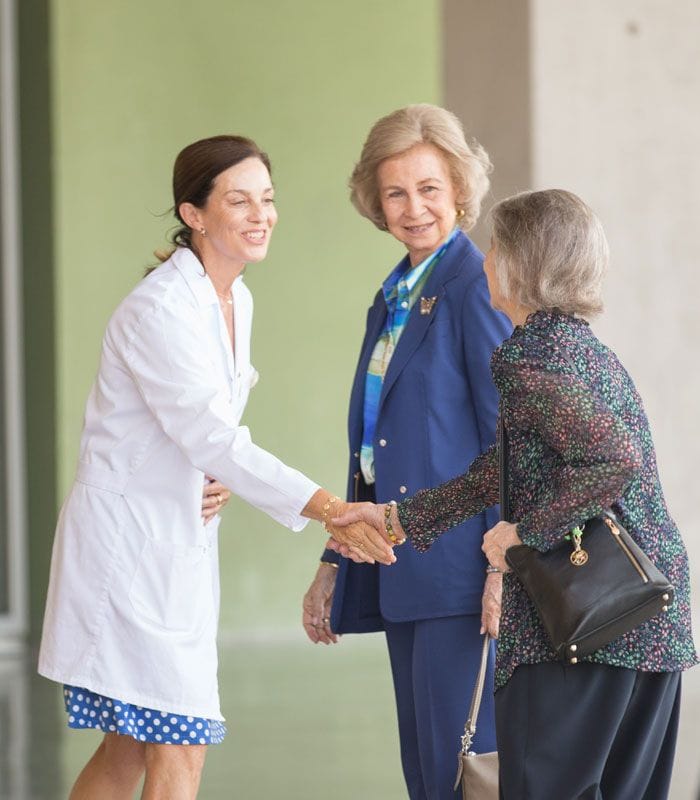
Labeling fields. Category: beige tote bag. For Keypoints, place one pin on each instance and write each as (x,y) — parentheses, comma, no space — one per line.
(477,772)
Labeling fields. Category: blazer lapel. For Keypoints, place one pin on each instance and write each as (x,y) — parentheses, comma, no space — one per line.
(423,314)
(376,317)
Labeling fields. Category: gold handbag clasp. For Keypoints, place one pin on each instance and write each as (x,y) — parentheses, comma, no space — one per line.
(578,556)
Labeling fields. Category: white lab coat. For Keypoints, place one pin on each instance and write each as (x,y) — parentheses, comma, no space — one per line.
(133,600)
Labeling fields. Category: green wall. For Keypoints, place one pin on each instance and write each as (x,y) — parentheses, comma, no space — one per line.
(133,82)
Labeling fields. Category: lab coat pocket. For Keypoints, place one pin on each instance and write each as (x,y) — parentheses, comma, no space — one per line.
(172,586)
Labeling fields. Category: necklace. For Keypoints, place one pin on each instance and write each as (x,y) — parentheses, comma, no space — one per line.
(225,298)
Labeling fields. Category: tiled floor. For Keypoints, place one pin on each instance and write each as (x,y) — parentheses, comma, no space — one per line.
(304,723)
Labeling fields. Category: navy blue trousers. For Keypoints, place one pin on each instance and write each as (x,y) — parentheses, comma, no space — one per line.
(434,663)
(586,732)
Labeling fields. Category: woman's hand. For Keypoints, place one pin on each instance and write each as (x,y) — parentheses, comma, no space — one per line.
(374,515)
(214,498)
(491,604)
(496,541)
(363,539)
(346,552)
(361,512)
(364,542)
(317,603)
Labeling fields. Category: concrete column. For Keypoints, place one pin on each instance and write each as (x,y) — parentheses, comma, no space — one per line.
(603,99)
(486,82)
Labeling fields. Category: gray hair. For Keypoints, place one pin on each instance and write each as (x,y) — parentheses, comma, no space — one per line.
(469,164)
(551,252)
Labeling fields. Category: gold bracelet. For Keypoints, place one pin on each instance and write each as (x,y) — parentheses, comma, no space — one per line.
(330,564)
(326,510)
(387,524)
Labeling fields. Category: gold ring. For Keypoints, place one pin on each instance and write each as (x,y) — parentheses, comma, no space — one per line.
(325,620)
(218,498)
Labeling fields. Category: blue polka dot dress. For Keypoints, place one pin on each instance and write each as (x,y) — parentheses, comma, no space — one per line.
(87,709)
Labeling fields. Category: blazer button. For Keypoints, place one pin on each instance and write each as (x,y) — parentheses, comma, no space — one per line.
(382,442)
(357,455)
(403,489)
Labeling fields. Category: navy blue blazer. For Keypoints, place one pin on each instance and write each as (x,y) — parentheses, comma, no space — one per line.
(437,412)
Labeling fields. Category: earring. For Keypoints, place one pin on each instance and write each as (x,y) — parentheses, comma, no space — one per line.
(202,231)
(461,213)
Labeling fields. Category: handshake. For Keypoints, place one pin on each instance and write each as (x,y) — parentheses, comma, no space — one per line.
(363,532)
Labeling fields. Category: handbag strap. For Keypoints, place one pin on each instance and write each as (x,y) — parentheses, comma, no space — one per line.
(504,498)
(503,473)
(470,724)
(504,490)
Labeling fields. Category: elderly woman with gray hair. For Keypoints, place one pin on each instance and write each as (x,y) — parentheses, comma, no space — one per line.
(579,443)
(422,406)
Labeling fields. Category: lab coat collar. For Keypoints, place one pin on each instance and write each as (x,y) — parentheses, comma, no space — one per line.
(196,278)
(192,270)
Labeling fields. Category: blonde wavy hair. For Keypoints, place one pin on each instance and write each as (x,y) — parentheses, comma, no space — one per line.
(468,163)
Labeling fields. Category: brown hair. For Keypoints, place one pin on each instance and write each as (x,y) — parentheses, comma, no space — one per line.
(196,168)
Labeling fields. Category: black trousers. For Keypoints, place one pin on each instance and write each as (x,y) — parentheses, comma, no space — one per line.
(586,732)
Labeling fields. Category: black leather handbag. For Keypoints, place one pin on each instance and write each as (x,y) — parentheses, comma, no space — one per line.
(593,587)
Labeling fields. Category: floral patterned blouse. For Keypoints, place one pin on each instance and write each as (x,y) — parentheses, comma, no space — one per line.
(579,442)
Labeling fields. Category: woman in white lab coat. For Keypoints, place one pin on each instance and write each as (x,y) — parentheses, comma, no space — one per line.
(132,608)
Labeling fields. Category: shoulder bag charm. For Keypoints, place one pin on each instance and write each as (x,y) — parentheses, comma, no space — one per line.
(593,587)
(477,772)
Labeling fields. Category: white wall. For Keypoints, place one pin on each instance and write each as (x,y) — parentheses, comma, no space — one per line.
(616,118)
